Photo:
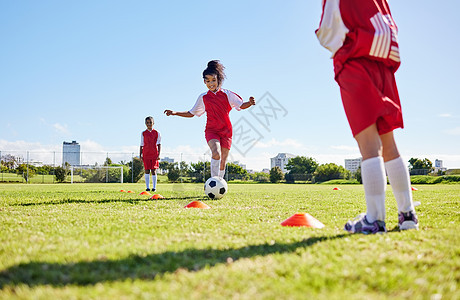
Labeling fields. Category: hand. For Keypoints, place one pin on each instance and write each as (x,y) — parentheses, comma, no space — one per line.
(168,112)
(252,100)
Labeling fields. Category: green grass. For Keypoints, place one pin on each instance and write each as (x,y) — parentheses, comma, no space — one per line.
(90,241)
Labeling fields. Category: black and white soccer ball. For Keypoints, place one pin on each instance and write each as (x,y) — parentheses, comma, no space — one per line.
(215,187)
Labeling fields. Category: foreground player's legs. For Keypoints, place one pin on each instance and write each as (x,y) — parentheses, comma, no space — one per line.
(147,179)
(154,179)
(214,145)
(399,178)
(223,161)
(372,172)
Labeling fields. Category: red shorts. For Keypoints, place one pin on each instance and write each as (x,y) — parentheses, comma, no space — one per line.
(150,163)
(370,96)
(225,142)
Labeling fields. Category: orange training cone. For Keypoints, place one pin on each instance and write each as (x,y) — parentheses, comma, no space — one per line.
(145,193)
(156,197)
(197,204)
(131,192)
(414,189)
(302,219)
(336,189)
(123,191)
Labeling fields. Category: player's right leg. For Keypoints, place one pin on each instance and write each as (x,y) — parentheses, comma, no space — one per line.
(374,182)
(214,146)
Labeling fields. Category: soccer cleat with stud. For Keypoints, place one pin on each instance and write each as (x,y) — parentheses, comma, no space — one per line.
(361,225)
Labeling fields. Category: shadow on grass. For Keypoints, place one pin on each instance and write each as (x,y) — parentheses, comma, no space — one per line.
(140,267)
(81,201)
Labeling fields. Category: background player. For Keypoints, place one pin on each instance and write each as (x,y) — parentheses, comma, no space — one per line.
(217,103)
(149,152)
(362,37)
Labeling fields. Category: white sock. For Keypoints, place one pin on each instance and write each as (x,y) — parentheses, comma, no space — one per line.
(375,183)
(215,166)
(154,182)
(147,180)
(222,173)
(400,183)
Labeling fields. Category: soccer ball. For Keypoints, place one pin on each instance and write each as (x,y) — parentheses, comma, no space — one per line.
(215,187)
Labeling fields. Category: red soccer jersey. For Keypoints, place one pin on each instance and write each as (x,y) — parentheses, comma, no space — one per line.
(150,141)
(217,107)
(363,28)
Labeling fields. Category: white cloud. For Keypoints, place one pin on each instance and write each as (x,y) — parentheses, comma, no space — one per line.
(453,131)
(62,129)
(446,115)
(288,143)
(346,148)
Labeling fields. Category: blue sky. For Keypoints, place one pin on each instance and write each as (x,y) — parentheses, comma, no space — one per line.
(91,71)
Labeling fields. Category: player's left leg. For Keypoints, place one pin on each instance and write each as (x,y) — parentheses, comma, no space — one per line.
(147,179)
(154,179)
(399,178)
(223,161)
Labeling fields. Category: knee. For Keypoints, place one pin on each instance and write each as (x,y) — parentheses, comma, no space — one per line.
(216,155)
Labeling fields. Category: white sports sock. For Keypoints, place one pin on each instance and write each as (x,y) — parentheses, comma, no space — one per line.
(222,173)
(400,183)
(147,180)
(215,166)
(375,183)
(154,182)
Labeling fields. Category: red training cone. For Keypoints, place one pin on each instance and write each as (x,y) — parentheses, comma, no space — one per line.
(131,192)
(414,189)
(123,191)
(145,193)
(197,204)
(302,219)
(156,197)
(336,189)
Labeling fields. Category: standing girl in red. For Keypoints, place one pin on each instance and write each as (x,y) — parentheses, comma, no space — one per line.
(363,39)
(217,103)
(149,152)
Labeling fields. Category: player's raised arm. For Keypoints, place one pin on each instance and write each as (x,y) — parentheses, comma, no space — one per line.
(185,114)
(248,104)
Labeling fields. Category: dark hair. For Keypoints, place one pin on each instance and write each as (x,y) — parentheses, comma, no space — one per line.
(149,118)
(215,68)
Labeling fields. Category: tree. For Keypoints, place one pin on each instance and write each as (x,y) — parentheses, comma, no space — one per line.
(276,174)
(108,161)
(420,166)
(60,173)
(199,171)
(173,172)
(136,170)
(27,171)
(10,161)
(235,171)
(330,171)
(300,168)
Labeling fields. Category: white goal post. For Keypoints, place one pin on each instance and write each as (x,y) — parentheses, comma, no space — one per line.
(97,173)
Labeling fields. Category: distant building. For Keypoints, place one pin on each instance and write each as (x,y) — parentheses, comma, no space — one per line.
(353,165)
(281,160)
(71,153)
(438,166)
(266,170)
(167,159)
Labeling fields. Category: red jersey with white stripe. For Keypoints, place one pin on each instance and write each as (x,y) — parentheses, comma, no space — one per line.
(359,28)
(217,107)
(150,141)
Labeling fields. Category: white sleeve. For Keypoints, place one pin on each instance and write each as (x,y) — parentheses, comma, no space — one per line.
(198,109)
(332,31)
(159,139)
(234,100)
(142,139)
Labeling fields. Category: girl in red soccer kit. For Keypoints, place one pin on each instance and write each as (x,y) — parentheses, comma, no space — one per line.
(149,152)
(217,103)
(362,37)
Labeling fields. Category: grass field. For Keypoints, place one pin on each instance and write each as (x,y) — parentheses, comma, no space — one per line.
(90,241)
